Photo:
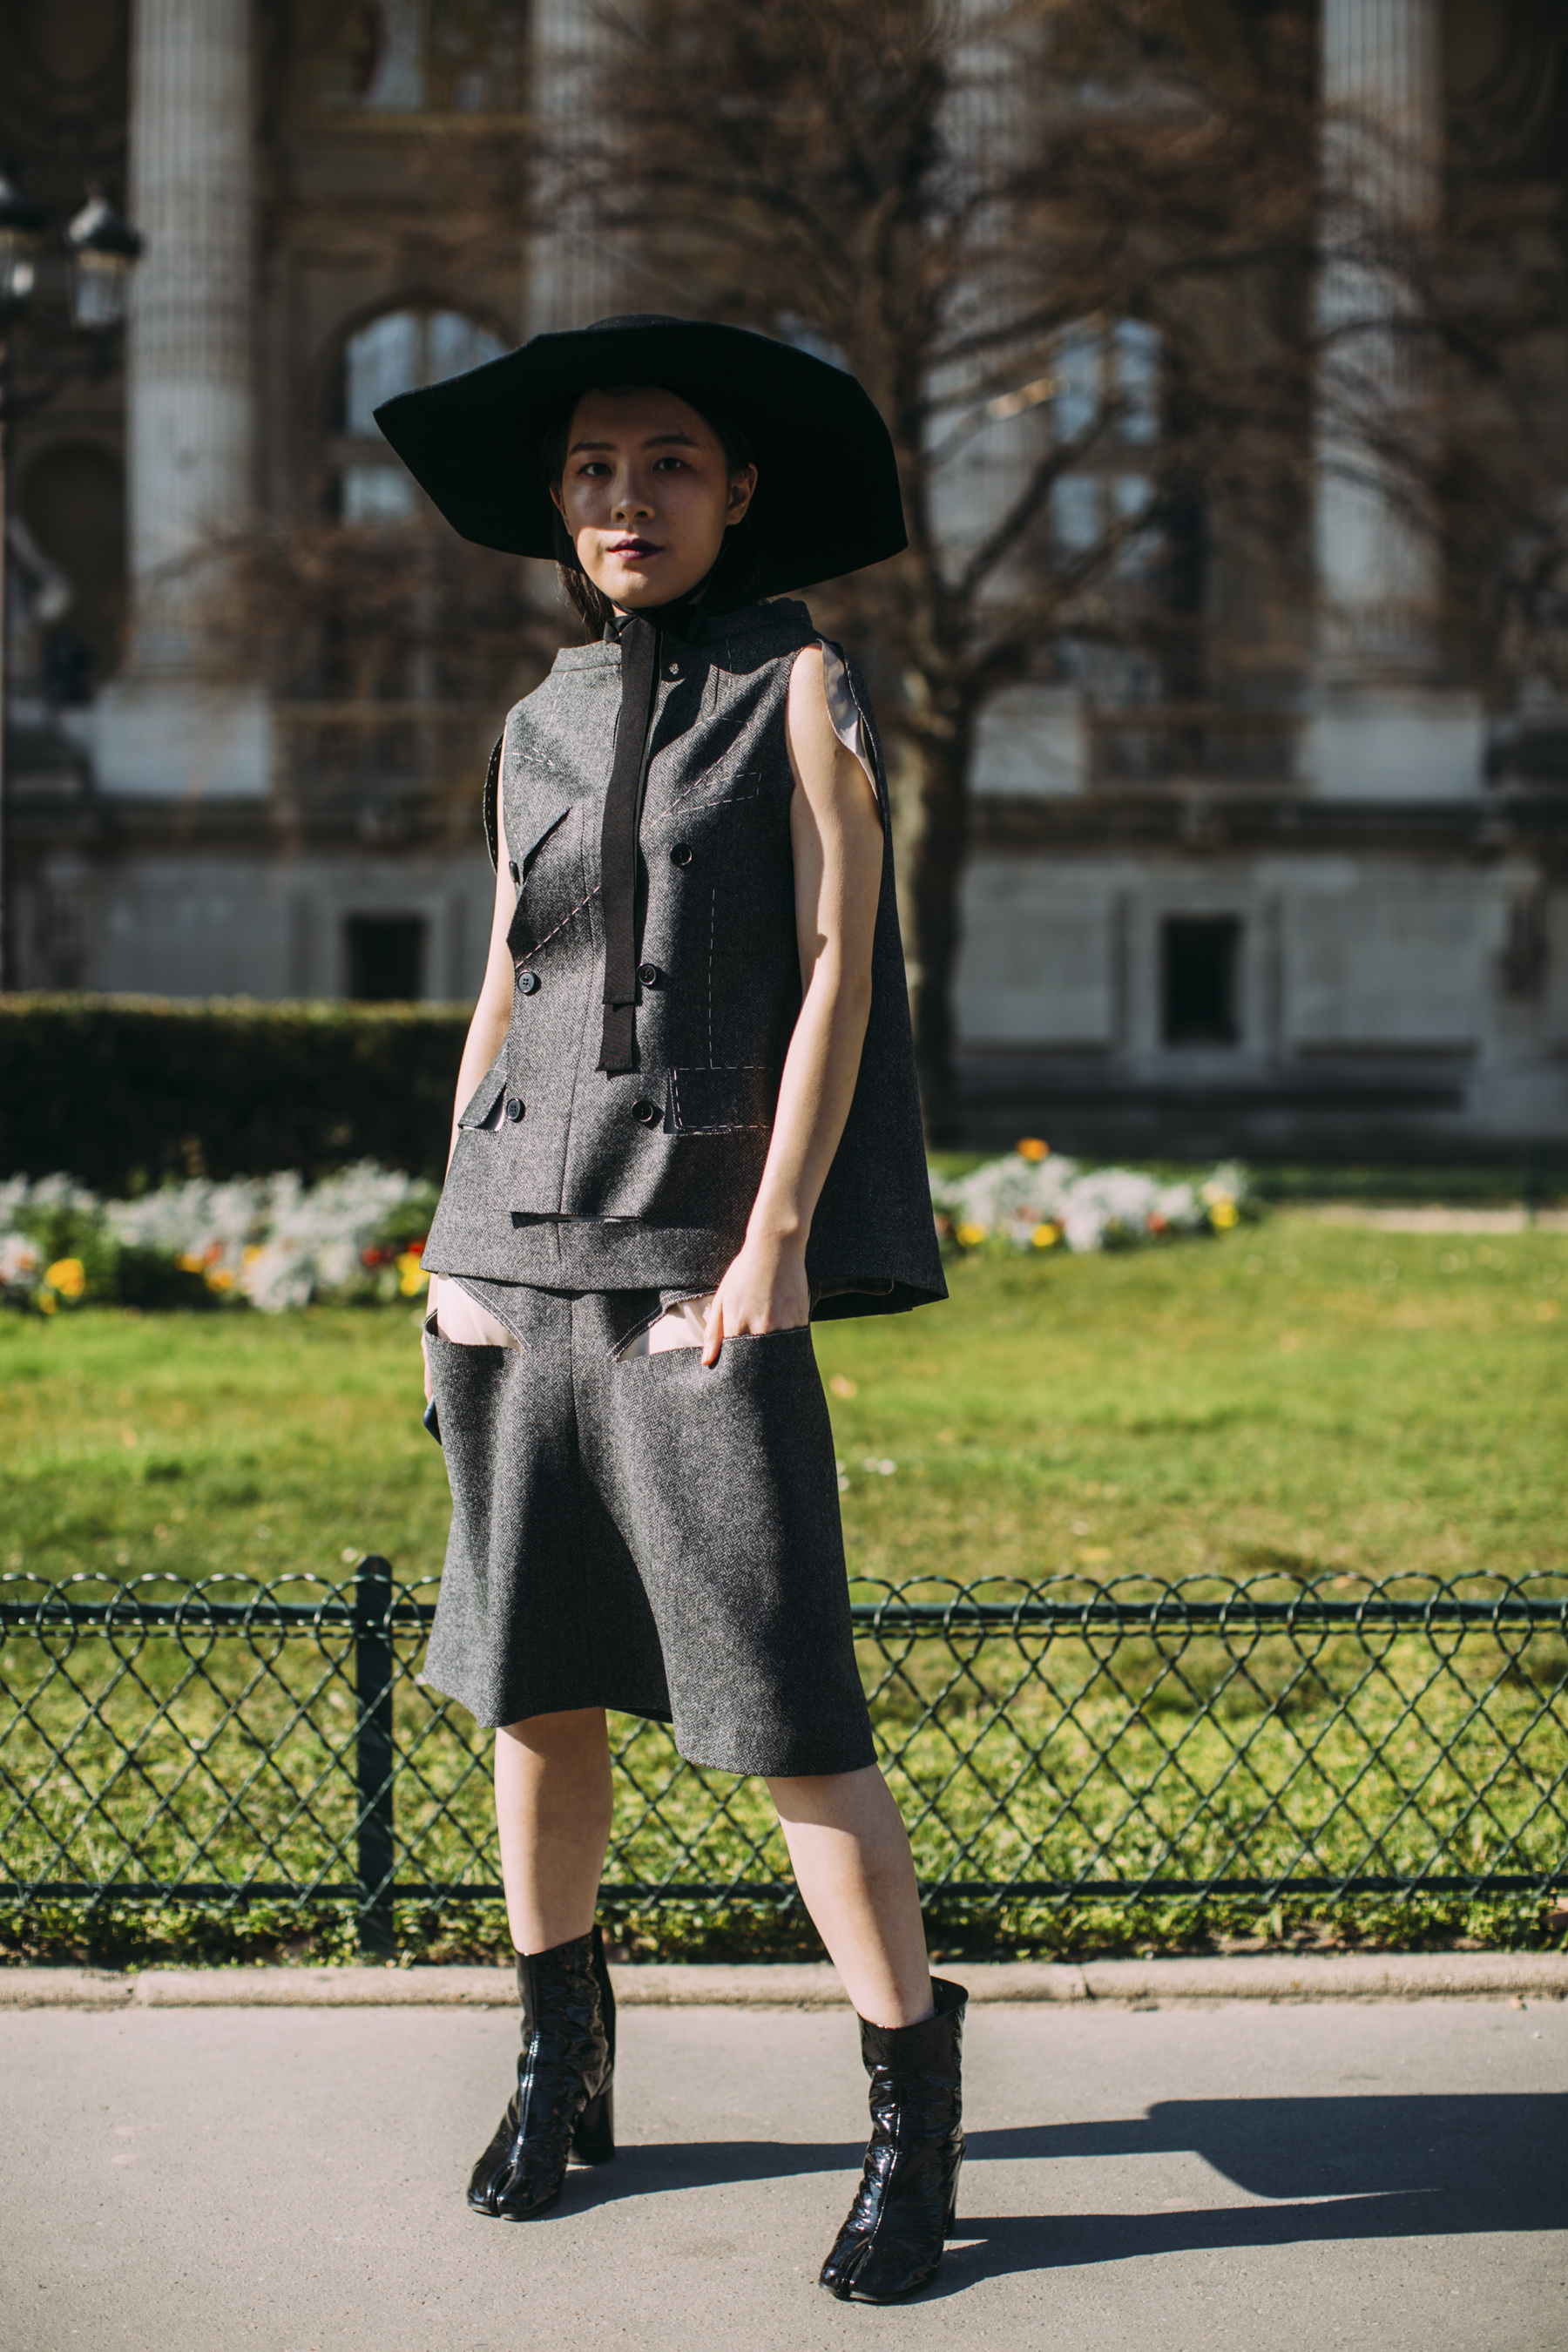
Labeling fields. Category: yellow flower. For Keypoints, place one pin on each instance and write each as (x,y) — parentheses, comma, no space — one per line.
(250,1253)
(1031,1148)
(191,1263)
(1223,1215)
(66,1275)
(969,1237)
(1046,1237)
(412,1278)
(220,1277)
(48,1303)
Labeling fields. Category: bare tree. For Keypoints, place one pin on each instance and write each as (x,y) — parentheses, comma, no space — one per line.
(391,649)
(1066,252)
(1076,251)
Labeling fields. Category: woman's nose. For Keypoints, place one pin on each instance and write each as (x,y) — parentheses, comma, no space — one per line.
(632,500)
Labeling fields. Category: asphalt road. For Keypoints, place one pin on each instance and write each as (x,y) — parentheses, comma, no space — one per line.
(1239,2176)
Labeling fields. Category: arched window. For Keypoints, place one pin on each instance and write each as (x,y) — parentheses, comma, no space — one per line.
(394,58)
(393,353)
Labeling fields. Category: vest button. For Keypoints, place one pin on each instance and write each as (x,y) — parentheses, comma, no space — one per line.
(513,869)
(672,669)
(650,975)
(647,1112)
(682,854)
(514,1107)
(528,982)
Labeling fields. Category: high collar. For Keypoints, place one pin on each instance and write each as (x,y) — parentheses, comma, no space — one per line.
(680,619)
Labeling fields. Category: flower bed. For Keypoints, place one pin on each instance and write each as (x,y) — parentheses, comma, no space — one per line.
(270,1241)
(274,1242)
(1032,1198)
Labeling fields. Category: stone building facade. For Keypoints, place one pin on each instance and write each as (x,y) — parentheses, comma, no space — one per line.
(1336,926)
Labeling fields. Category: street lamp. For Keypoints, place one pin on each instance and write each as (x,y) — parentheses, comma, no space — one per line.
(101,249)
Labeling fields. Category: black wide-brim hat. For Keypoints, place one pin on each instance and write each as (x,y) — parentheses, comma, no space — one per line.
(827,496)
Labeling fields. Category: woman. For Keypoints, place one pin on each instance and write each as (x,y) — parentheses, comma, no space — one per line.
(687,1125)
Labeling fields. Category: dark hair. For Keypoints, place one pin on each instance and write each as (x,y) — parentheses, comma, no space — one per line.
(729,583)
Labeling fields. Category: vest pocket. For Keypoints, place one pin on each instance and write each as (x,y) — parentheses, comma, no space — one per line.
(481,1106)
(718,1102)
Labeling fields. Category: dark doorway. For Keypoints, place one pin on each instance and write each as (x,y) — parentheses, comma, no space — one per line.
(386,958)
(1200,953)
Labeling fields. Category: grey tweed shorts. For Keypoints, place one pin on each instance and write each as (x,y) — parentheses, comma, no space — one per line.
(642,1534)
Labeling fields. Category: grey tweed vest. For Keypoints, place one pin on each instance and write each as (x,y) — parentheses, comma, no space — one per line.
(568,1177)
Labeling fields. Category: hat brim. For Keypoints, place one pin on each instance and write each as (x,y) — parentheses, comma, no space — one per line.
(827,498)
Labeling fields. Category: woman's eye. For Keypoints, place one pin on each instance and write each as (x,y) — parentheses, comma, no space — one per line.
(673,463)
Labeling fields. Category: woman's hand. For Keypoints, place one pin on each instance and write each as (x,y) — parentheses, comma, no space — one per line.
(764,1290)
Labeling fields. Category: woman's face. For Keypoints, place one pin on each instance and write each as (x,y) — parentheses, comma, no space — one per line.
(646,492)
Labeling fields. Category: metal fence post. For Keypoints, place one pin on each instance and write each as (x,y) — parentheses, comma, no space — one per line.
(373,1688)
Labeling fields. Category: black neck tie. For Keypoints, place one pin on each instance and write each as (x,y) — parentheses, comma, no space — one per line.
(618,845)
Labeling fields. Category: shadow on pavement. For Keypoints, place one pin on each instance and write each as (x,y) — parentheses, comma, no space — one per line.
(1381,2167)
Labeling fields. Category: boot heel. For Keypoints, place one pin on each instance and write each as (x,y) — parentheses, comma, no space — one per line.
(950,2219)
(594,2141)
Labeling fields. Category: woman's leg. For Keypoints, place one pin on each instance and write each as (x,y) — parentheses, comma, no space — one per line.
(852,1860)
(553,1808)
(850,1852)
(552,1812)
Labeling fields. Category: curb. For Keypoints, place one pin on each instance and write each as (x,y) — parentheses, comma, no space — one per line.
(1278,1977)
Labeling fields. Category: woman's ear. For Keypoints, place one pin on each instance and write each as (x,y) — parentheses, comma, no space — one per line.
(742,488)
(555,494)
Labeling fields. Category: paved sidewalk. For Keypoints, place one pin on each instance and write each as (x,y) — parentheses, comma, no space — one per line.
(1228,2178)
(1250,1976)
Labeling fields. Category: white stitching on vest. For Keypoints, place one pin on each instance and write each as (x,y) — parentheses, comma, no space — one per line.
(674,814)
(712,922)
(733,1127)
(523,954)
(738,777)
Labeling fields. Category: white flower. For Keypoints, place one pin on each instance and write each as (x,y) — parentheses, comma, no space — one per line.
(19,1259)
(1011,1198)
(279,1242)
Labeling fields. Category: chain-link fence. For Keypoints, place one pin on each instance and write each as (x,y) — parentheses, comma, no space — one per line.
(1208,1737)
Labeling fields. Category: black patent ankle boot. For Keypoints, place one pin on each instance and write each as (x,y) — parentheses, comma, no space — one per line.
(905,2206)
(563,2104)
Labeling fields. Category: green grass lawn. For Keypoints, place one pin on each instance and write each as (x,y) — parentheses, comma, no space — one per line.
(1296,1397)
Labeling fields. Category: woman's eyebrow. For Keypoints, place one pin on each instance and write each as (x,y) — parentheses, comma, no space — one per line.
(654,441)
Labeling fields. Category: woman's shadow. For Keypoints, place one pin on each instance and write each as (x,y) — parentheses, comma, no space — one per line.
(1332,2169)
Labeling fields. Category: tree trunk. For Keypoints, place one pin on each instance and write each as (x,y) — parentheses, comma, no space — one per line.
(933,808)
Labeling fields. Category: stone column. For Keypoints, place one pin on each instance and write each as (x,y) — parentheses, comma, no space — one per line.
(189,397)
(1382,134)
(571,280)
(1383,729)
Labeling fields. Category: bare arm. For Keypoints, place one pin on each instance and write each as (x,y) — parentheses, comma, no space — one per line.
(836,833)
(492,1014)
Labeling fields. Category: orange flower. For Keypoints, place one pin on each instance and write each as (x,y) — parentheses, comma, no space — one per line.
(1032,1148)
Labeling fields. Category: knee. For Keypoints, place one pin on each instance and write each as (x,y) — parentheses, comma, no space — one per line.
(575,1735)
(834,1800)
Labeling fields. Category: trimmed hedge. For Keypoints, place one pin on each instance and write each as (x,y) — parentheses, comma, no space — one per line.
(122,1091)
